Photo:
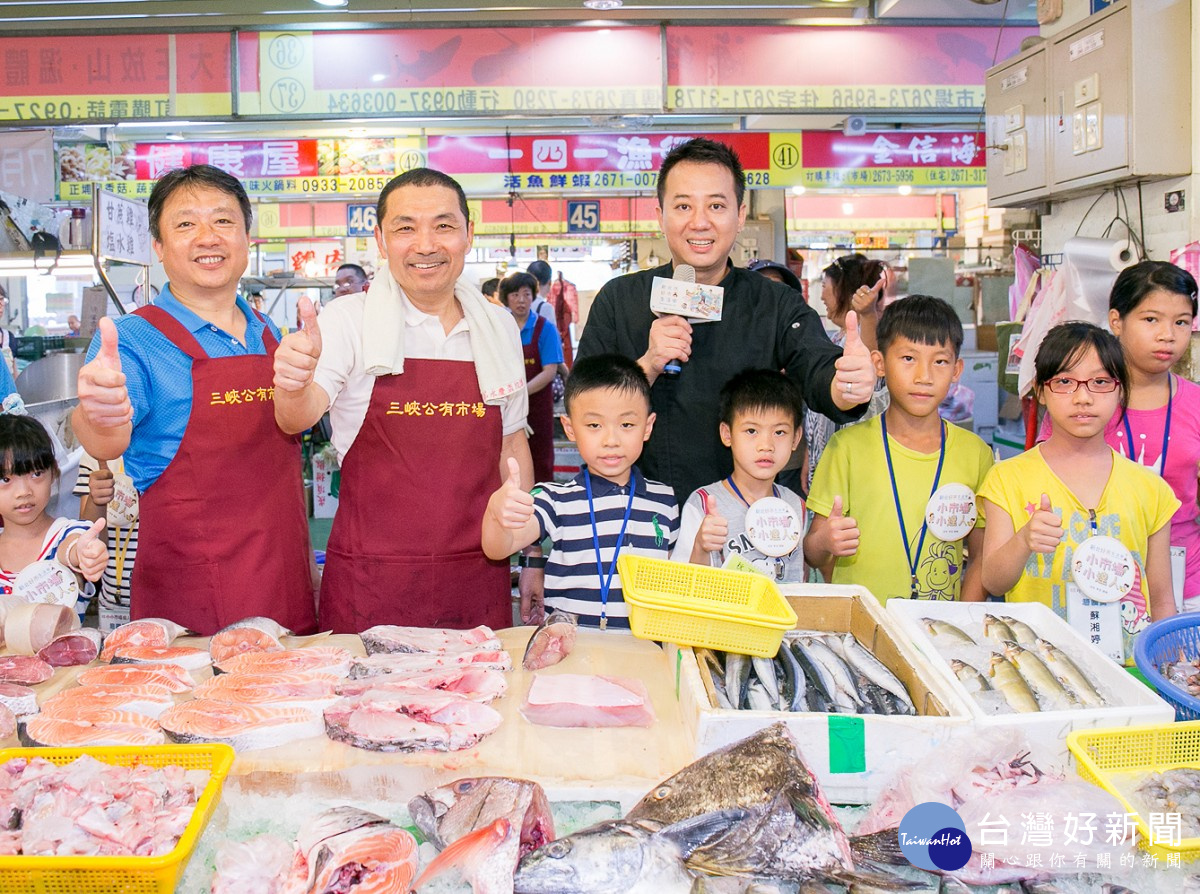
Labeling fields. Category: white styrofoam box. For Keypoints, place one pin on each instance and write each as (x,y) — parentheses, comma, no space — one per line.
(886,742)
(325,466)
(1131,702)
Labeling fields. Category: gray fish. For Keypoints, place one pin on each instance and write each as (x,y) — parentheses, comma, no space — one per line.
(1022,631)
(994,628)
(758,699)
(791,832)
(1007,679)
(737,678)
(793,673)
(971,678)
(764,669)
(944,631)
(838,671)
(1043,683)
(711,664)
(1109,888)
(552,641)
(874,669)
(1068,673)
(820,684)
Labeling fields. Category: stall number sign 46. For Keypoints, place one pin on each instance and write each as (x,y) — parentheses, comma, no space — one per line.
(360,220)
(583,217)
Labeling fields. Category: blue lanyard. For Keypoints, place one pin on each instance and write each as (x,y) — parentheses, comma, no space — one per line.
(734,488)
(1162,465)
(937,477)
(606,582)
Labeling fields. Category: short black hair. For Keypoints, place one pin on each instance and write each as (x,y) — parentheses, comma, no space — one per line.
(1135,283)
(706,152)
(606,371)
(760,389)
(923,320)
(490,286)
(25,447)
(421,177)
(848,273)
(540,271)
(357,268)
(514,282)
(1065,345)
(195,177)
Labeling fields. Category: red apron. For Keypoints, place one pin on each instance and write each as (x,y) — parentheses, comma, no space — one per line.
(223,531)
(541,410)
(406,541)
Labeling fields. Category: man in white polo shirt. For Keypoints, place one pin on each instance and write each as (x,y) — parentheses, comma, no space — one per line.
(425,385)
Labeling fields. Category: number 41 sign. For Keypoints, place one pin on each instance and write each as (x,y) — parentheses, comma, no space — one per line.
(583,217)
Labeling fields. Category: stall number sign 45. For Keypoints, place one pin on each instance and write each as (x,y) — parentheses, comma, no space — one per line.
(583,217)
(360,220)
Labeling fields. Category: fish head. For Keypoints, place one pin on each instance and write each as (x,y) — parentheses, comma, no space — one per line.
(450,812)
(608,857)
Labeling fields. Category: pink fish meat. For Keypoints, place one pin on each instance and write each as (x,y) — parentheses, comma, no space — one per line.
(476,682)
(389,638)
(406,721)
(552,641)
(172,676)
(20,700)
(72,649)
(146,632)
(405,663)
(582,700)
(24,669)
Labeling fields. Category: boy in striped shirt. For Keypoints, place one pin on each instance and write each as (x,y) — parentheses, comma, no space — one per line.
(608,509)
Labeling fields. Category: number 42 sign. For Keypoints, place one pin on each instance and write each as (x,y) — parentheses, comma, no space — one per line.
(583,217)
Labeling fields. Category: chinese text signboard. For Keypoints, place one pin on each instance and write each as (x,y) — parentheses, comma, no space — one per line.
(115,77)
(893,158)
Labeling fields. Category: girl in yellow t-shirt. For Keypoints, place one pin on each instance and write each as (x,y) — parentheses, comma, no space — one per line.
(1043,505)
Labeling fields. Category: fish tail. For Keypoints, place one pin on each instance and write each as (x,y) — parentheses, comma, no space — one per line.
(466,851)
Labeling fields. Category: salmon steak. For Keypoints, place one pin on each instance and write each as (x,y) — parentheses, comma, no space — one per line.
(174,677)
(303,690)
(315,659)
(250,635)
(151,699)
(244,727)
(146,632)
(96,726)
(409,721)
(185,656)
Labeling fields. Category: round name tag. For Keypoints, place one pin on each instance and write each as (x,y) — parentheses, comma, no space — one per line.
(47,581)
(773,527)
(950,514)
(122,510)
(1103,569)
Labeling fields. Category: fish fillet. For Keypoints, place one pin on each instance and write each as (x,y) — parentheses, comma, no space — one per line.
(92,727)
(319,659)
(406,663)
(574,700)
(244,727)
(476,682)
(174,677)
(146,632)
(303,690)
(403,721)
(150,699)
(390,638)
(184,656)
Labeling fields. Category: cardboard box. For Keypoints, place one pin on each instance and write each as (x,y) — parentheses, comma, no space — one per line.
(327,480)
(853,755)
(1130,702)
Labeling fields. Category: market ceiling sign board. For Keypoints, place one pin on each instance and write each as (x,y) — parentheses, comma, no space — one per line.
(543,217)
(894,158)
(589,161)
(110,77)
(808,69)
(472,71)
(867,212)
(265,167)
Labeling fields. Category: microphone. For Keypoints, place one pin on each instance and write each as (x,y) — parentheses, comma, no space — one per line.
(683,273)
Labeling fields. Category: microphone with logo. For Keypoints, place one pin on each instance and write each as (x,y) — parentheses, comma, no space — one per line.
(683,273)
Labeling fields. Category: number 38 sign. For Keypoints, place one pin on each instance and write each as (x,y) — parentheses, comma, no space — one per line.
(360,220)
(583,217)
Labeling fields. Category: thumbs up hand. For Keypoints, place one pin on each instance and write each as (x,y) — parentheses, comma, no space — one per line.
(1044,530)
(855,377)
(714,529)
(91,552)
(298,352)
(103,398)
(865,297)
(843,531)
(512,505)
(101,487)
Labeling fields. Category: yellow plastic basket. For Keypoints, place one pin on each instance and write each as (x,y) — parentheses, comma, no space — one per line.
(1100,754)
(126,875)
(694,605)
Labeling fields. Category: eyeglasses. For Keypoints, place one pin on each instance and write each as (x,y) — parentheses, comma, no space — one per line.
(1097,385)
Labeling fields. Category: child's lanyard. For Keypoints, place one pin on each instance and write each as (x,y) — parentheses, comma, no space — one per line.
(937,477)
(121,551)
(1162,465)
(606,582)
(734,488)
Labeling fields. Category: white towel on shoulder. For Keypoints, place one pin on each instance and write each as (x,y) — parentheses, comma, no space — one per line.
(501,371)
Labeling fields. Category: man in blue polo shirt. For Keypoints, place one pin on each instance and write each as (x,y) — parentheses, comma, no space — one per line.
(183,388)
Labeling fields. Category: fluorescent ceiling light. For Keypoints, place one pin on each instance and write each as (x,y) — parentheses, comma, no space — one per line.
(603,4)
(333,2)
(904,189)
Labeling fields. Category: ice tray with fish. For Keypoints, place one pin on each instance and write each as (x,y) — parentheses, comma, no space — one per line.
(1121,760)
(1125,701)
(129,875)
(851,753)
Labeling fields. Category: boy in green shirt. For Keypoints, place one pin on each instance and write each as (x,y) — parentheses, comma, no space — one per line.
(898,526)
